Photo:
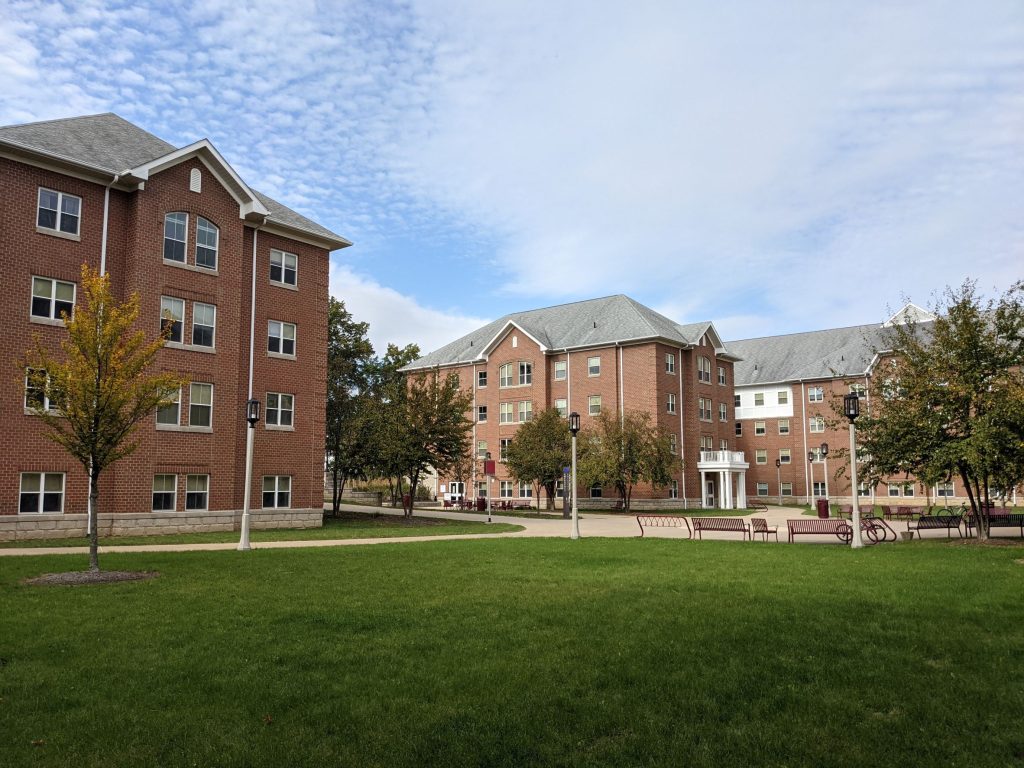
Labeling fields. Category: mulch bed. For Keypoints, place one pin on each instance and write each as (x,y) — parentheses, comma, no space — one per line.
(79,578)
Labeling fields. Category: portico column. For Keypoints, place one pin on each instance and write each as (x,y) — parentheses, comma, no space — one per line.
(703,491)
(741,491)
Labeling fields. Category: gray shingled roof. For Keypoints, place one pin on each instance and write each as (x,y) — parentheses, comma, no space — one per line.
(810,355)
(594,322)
(109,143)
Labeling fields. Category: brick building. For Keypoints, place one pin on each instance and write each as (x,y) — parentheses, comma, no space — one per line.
(735,409)
(245,280)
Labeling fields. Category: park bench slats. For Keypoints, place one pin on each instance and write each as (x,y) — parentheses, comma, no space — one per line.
(726,524)
(934,523)
(758,525)
(820,526)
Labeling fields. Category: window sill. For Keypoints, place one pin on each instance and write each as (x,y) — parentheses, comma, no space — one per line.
(190,347)
(182,428)
(279,428)
(280,355)
(190,267)
(51,411)
(58,323)
(58,233)
(284,285)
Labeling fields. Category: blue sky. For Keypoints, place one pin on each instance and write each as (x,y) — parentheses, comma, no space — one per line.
(773,167)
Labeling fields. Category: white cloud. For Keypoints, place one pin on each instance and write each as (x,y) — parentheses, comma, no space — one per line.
(395,318)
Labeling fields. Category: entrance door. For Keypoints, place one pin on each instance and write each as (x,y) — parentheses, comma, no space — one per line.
(710,493)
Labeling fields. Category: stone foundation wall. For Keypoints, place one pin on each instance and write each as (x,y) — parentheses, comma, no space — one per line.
(16,527)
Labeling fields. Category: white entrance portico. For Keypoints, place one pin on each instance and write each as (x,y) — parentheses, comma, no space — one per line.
(723,477)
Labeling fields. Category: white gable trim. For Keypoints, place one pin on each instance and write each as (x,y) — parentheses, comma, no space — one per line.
(248,204)
(497,338)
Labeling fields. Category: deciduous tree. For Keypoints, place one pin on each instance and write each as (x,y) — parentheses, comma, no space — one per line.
(99,386)
(539,450)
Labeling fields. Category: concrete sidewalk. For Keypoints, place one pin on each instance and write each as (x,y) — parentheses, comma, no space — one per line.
(592,525)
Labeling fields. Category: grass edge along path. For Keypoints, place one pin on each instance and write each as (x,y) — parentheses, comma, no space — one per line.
(515,652)
(353,525)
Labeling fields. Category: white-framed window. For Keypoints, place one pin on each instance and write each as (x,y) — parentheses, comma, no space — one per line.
(596,491)
(506,489)
(197,492)
(505,375)
(737,400)
(670,366)
(52,299)
(525,410)
(165,493)
(594,405)
(783,426)
(280,409)
(863,489)
(481,413)
(481,489)
(815,394)
(284,267)
(525,373)
(593,366)
(785,455)
(277,491)
(787,489)
(703,369)
(759,428)
(723,412)
(481,449)
(759,398)
(525,490)
(707,443)
(901,489)
(816,424)
(204,324)
(944,490)
(506,414)
(859,390)
(170,414)
(172,317)
(721,375)
(503,445)
(200,405)
(207,237)
(739,429)
(704,408)
(783,397)
(723,445)
(281,338)
(670,404)
(561,370)
(816,451)
(175,236)
(673,445)
(818,489)
(59,211)
(38,393)
(761,455)
(762,489)
(481,379)
(673,490)
(562,406)
(41,493)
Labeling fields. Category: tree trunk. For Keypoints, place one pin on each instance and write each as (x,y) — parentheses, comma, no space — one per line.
(414,480)
(335,493)
(94,538)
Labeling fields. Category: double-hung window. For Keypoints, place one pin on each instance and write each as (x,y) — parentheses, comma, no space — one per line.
(204,323)
(52,299)
(672,443)
(59,212)
(759,398)
(761,456)
(505,413)
(561,405)
(670,405)
(283,267)
(560,370)
(170,414)
(704,369)
(593,366)
(815,394)
(481,379)
(39,394)
(505,375)
(525,410)
(670,363)
(207,238)
(721,375)
(197,491)
(785,455)
(525,373)
(281,338)
(594,405)
(783,426)
(280,409)
(41,492)
(759,427)
(723,412)
(817,423)
(172,317)
(783,397)
(165,490)
(505,489)
(277,491)
(175,229)
(481,413)
(503,444)
(200,405)
(481,449)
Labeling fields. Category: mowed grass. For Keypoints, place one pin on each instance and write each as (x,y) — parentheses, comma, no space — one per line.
(352,525)
(520,652)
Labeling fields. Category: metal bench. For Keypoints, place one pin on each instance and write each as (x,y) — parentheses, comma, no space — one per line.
(934,523)
(760,525)
(757,506)
(997,519)
(820,526)
(664,521)
(726,524)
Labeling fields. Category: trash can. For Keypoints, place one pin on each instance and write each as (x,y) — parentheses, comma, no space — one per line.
(407,504)
(481,504)
(822,507)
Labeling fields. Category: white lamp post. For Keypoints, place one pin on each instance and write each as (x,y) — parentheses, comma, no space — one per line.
(851,407)
(252,415)
(574,428)
(778,478)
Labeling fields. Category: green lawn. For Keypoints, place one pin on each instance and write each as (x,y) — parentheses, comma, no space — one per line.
(521,652)
(353,525)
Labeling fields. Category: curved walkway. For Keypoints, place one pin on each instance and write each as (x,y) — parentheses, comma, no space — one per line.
(591,526)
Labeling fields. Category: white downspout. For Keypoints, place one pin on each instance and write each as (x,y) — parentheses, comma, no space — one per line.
(803,431)
(682,430)
(622,392)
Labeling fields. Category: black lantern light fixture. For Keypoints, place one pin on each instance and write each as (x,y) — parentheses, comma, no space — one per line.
(824,449)
(851,406)
(778,463)
(252,412)
(810,456)
(574,423)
